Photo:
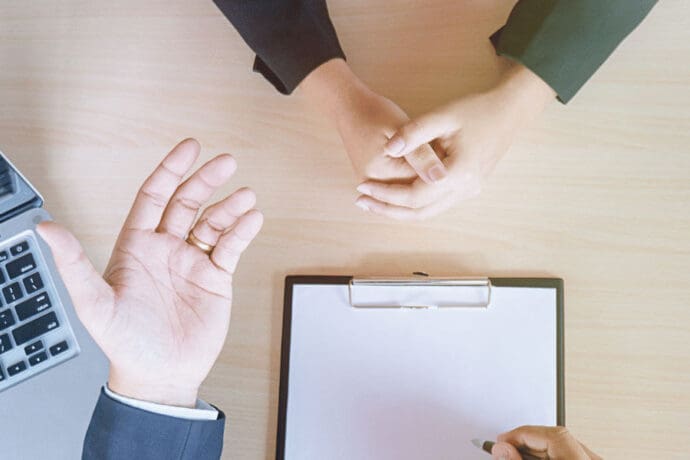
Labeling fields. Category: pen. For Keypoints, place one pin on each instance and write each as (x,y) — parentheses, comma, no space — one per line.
(486,446)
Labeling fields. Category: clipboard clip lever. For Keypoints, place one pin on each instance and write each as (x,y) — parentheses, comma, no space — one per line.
(419,292)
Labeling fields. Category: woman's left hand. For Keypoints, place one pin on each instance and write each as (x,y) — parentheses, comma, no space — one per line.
(470,134)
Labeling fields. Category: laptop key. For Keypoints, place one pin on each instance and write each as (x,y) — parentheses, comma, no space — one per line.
(35,328)
(59,348)
(21,248)
(4,256)
(21,266)
(33,306)
(33,347)
(33,283)
(6,319)
(2,376)
(38,358)
(12,293)
(15,369)
(5,343)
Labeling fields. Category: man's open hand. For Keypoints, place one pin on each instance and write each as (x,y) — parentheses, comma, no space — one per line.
(161,312)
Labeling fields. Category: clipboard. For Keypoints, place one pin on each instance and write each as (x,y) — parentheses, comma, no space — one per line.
(401,297)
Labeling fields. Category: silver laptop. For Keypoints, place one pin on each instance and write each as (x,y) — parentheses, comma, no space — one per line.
(46,396)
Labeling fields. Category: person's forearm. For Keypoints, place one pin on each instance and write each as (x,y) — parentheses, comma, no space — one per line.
(169,394)
(332,88)
(523,93)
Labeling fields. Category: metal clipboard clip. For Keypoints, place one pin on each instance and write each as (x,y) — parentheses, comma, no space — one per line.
(420,292)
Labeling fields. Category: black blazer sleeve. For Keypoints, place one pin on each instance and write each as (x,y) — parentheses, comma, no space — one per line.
(290,37)
(121,432)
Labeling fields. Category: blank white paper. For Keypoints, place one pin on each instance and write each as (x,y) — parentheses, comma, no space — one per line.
(416,384)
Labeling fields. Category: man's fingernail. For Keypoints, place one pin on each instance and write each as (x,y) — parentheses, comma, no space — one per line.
(437,173)
(361,205)
(503,458)
(394,145)
(364,188)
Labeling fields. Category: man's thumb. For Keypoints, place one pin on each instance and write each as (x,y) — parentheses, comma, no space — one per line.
(90,293)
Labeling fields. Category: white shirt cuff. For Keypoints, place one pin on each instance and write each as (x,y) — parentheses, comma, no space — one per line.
(203,410)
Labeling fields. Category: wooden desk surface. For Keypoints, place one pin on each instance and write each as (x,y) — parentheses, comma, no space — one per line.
(93,93)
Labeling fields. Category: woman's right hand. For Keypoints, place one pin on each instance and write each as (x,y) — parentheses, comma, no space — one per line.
(552,443)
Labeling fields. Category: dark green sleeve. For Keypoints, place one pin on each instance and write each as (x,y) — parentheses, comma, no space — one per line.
(566,41)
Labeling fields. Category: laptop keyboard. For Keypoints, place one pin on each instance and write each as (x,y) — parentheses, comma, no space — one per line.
(6,179)
(27,316)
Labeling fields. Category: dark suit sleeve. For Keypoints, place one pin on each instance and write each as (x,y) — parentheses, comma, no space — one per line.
(566,41)
(290,37)
(121,432)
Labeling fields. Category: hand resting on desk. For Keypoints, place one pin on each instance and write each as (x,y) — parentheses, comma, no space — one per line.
(470,135)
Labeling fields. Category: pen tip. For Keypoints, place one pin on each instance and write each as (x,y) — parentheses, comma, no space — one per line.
(477,443)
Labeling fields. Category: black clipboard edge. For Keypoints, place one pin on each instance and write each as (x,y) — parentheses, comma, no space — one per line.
(292,280)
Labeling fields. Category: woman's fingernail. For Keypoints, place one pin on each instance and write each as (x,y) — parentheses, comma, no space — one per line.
(364,188)
(361,205)
(437,173)
(394,145)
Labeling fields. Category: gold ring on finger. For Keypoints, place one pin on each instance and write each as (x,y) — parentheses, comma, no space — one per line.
(194,241)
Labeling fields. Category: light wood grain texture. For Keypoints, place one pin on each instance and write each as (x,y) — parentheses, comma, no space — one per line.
(93,93)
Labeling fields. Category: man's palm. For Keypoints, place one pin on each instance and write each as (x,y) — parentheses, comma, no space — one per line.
(167,289)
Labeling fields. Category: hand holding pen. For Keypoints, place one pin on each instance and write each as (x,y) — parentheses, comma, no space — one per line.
(537,443)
